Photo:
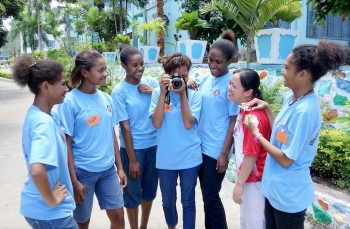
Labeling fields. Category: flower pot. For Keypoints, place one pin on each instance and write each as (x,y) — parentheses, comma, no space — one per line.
(274,45)
(194,49)
(149,53)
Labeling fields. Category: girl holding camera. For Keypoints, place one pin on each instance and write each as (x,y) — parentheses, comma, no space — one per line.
(175,114)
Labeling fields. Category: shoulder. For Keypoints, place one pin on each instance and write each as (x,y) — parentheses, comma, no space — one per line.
(309,104)
(193,92)
(119,87)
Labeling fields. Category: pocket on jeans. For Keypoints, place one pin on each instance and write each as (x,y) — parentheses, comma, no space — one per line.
(35,225)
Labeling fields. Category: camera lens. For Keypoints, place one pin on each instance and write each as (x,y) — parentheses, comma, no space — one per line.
(177,83)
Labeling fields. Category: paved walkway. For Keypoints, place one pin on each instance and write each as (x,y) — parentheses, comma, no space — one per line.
(14,103)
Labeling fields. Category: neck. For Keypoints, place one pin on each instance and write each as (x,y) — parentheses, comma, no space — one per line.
(43,104)
(132,81)
(87,88)
(301,91)
(225,72)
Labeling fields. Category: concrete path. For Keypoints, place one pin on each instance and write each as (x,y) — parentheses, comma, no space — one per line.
(14,103)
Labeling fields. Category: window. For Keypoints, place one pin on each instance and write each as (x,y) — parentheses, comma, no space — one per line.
(282,24)
(51,44)
(333,27)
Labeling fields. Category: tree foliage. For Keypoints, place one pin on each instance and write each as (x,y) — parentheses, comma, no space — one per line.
(324,7)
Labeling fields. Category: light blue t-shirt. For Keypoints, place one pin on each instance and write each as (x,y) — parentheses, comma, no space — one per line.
(215,114)
(178,148)
(133,106)
(44,142)
(291,189)
(90,119)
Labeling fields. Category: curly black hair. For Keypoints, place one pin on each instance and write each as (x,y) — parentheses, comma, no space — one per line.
(27,72)
(225,44)
(176,60)
(318,59)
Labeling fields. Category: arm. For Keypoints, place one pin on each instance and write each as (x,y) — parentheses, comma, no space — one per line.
(270,116)
(39,176)
(260,104)
(78,188)
(134,166)
(158,113)
(274,151)
(247,167)
(222,162)
(186,114)
(118,163)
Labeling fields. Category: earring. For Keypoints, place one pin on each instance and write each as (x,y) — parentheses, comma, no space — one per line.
(300,78)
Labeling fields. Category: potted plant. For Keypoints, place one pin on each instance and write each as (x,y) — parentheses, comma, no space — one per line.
(194,49)
(274,45)
(149,53)
(250,15)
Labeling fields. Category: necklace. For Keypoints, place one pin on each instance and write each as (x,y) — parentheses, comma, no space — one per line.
(96,101)
(290,104)
(213,84)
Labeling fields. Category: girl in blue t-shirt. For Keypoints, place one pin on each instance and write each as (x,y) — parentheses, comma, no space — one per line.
(218,117)
(138,137)
(88,118)
(286,182)
(47,196)
(175,112)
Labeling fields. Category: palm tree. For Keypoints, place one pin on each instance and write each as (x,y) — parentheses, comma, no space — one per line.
(160,40)
(250,15)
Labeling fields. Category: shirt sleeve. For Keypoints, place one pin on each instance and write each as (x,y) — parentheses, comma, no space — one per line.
(233,108)
(43,147)
(154,83)
(196,104)
(66,117)
(114,111)
(119,100)
(297,130)
(250,147)
(154,101)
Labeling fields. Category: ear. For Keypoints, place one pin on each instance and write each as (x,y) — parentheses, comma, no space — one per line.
(248,93)
(230,61)
(302,74)
(124,66)
(44,86)
(84,72)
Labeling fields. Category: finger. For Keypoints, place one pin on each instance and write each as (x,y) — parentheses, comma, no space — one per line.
(57,185)
(217,165)
(82,197)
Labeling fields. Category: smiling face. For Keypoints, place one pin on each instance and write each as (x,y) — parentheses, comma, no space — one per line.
(97,74)
(290,74)
(134,69)
(218,63)
(58,90)
(236,92)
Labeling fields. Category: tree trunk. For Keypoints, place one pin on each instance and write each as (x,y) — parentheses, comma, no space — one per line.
(160,40)
(115,19)
(40,33)
(235,42)
(249,48)
(120,16)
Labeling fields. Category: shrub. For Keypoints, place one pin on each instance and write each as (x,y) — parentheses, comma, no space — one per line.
(273,95)
(5,74)
(333,157)
(100,47)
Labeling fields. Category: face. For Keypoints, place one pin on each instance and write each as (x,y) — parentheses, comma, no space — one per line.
(236,92)
(290,73)
(134,68)
(181,71)
(218,63)
(97,74)
(58,90)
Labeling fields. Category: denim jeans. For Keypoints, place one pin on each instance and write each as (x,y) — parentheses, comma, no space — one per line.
(210,181)
(276,219)
(168,183)
(145,186)
(64,223)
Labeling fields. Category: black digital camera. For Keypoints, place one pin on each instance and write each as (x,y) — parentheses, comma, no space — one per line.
(176,81)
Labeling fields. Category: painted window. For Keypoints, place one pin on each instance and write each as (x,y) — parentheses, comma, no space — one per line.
(333,27)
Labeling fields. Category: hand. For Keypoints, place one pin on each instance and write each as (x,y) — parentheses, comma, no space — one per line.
(58,193)
(181,90)
(192,84)
(222,163)
(164,84)
(250,124)
(145,88)
(260,104)
(134,169)
(237,193)
(79,192)
(123,179)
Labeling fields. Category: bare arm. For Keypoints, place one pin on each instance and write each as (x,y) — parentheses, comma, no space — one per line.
(118,163)
(134,166)
(51,197)
(260,104)
(158,114)
(247,167)
(222,162)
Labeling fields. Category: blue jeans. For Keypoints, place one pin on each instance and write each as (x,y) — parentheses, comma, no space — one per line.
(210,181)
(107,188)
(145,186)
(168,183)
(276,219)
(64,223)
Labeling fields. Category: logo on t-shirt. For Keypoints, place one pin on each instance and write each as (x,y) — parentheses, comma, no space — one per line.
(313,140)
(109,108)
(217,93)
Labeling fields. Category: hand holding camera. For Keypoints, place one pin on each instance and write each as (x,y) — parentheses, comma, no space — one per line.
(164,84)
(178,84)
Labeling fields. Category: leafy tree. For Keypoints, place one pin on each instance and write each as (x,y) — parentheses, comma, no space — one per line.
(324,7)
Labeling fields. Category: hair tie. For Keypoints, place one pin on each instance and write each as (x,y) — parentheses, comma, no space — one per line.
(32,65)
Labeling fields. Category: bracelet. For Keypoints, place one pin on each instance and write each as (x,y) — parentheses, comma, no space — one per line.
(257,136)
(76,184)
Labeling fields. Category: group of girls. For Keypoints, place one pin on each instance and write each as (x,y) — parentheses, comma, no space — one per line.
(168,133)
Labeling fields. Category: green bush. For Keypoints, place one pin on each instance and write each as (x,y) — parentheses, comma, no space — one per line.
(333,157)
(5,74)
(273,95)
(37,55)
(100,47)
